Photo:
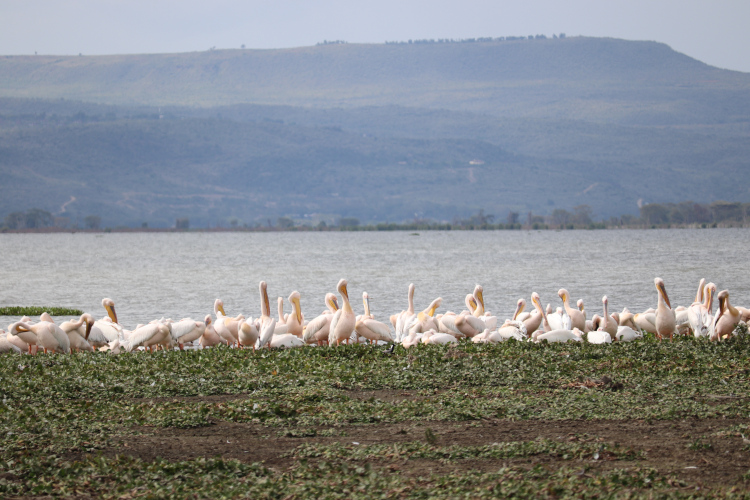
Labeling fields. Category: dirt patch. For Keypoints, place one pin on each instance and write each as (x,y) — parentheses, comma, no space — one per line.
(682,448)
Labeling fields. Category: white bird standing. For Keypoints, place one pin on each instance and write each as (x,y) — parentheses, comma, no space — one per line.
(700,313)
(665,321)
(368,327)
(344,321)
(405,319)
(185,331)
(78,332)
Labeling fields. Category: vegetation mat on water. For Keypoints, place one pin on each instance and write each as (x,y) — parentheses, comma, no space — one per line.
(56,410)
(37,310)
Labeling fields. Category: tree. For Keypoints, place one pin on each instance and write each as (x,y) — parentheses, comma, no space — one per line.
(92,222)
(182,223)
(15,220)
(582,215)
(36,218)
(348,222)
(284,222)
(560,217)
(654,213)
(512,217)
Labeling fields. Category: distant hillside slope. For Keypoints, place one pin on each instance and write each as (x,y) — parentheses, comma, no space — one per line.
(582,78)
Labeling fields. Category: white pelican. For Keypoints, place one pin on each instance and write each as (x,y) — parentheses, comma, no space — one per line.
(627,334)
(267,324)
(210,338)
(295,321)
(700,314)
(577,318)
(23,346)
(645,321)
(6,345)
(411,340)
(149,336)
(534,322)
(665,322)
(425,319)
(727,318)
(344,321)
(78,332)
(48,335)
(554,319)
(405,319)
(575,335)
(316,331)
(432,337)
(248,333)
(226,327)
(599,337)
(286,340)
(368,327)
(186,330)
(282,316)
(24,334)
(609,323)
(107,329)
(466,323)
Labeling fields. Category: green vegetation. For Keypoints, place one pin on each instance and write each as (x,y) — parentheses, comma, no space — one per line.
(37,310)
(67,419)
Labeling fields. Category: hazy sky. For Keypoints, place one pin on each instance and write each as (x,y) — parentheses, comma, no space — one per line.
(714,31)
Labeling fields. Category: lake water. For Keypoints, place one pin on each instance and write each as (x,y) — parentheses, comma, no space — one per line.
(150,275)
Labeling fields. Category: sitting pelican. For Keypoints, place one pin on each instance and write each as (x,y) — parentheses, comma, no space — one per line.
(700,313)
(344,321)
(186,330)
(533,323)
(78,332)
(226,327)
(432,337)
(577,318)
(295,321)
(645,321)
(627,334)
(411,340)
(466,323)
(554,319)
(285,341)
(609,323)
(107,329)
(370,328)
(489,320)
(727,318)
(425,319)
(558,335)
(665,322)
(626,319)
(317,330)
(210,338)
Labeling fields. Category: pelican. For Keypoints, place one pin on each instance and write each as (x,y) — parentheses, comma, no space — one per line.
(626,319)
(533,323)
(609,323)
(248,333)
(577,318)
(225,326)
(210,338)
(699,314)
(511,329)
(344,321)
(727,318)
(466,323)
(186,330)
(286,340)
(316,331)
(107,329)
(665,321)
(554,319)
(521,314)
(370,328)
(148,336)
(267,325)
(25,334)
(645,321)
(23,346)
(280,307)
(557,335)
(627,334)
(599,336)
(47,334)
(411,340)
(432,337)
(6,345)
(425,320)
(78,332)
(295,321)
(405,318)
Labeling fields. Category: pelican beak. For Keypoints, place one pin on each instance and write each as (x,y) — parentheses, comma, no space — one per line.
(434,307)
(335,303)
(344,291)
(480,296)
(89,324)
(473,302)
(221,309)
(664,295)
(299,310)
(367,305)
(21,328)
(112,314)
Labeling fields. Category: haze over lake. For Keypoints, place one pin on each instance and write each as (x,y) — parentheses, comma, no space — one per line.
(180,274)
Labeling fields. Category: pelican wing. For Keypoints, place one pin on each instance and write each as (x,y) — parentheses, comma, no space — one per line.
(141,335)
(332,328)
(266,332)
(315,325)
(6,345)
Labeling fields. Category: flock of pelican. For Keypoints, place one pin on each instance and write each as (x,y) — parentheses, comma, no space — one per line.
(339,324)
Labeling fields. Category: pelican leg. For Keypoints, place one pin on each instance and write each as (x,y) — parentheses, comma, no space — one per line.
(182,346)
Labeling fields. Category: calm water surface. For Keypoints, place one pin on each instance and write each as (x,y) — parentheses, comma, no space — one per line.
(150,275)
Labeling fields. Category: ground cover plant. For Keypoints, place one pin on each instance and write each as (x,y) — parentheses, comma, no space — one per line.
(37,310)
(641,419)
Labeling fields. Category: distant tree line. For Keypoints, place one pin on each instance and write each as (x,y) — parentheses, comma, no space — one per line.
(470,40)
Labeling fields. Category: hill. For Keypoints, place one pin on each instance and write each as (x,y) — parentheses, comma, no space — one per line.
(378,132)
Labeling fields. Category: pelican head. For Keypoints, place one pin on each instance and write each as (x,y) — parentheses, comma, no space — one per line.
(537,301)
(207,319)
(366,302)
(520,306)
(580,305)
(219,307)
(17,327)
(89,320)
(563,294)
(341,287)
(661,289)
(434,305)
(710,291)
(479,294)
(605,300)
(723,299)
(109,305)
(294,299)
(332,302)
